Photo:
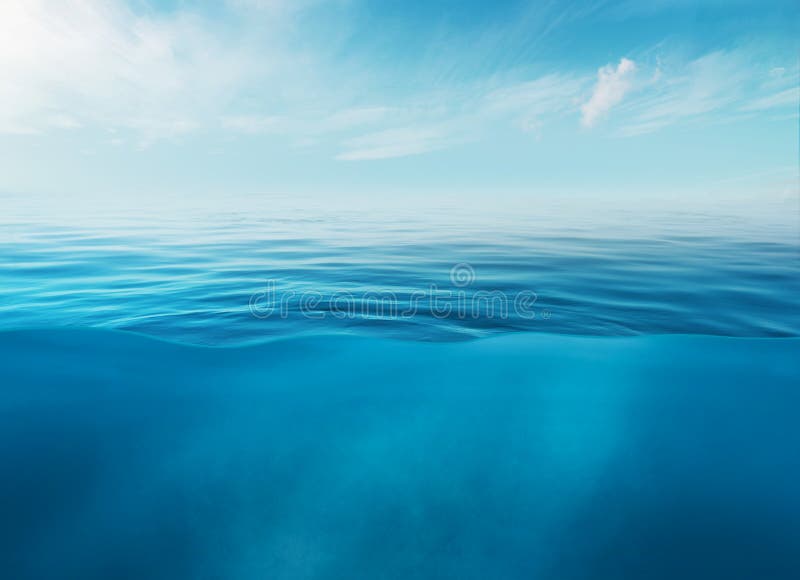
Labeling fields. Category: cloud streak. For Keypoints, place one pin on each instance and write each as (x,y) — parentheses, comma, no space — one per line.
(532,103)
(786,98)
(718,86)
(391,143)
(99,63)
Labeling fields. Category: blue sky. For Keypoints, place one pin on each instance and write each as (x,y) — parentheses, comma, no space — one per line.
(327,97)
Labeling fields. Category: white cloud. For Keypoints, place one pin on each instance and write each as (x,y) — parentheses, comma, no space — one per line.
(717,86)
(698,88)
(272,6)
(786,98)
(66,63)
(612,84)
(533,101)
(352,117)
(306,128)
(253,124)
(69,64)
(401,142)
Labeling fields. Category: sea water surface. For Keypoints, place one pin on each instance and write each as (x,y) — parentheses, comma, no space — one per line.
(162,417)
(248,271)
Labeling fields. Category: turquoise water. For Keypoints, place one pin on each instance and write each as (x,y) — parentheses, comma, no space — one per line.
(162,417)
(523,456)
(200,275)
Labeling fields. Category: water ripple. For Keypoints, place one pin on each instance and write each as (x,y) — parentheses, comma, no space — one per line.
(193,278)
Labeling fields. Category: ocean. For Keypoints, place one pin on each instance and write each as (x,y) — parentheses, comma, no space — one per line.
(341,392)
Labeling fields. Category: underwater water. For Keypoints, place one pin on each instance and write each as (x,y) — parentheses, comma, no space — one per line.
(278,394)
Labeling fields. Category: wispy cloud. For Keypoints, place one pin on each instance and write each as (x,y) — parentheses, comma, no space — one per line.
(534,102)
(645,98)
(720,84)
(308,123)
(612,85)
(99,63)
(304,129)
(786,98)
(272,6)
(253,124)
(469,114)
(143,75)
(401,142)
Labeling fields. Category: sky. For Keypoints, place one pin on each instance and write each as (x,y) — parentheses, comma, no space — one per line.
(467,98)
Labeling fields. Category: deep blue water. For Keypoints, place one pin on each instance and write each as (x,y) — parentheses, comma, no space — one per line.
(523,456)
(378,414)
